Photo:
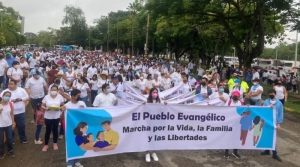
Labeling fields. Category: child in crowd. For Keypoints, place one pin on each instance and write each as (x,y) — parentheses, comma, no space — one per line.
(39,122)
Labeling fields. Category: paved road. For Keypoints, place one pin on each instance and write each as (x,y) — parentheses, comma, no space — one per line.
(30,155)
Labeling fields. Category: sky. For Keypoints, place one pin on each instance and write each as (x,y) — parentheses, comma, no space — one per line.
(41,14)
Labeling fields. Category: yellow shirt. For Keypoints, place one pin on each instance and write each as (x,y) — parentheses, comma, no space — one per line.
(245,86)
(90,144)
(230,83)
(112,137)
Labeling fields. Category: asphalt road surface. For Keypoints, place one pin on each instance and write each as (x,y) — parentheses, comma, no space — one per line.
(288,146)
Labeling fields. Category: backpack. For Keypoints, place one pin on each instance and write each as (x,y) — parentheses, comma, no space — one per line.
(230,101)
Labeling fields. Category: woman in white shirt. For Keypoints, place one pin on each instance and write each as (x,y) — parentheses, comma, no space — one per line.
(103,80)
(69,76)
(281,93)
(186,86)
(156,82)
(6,124)
(220,95)
(15,73)
(52,104)
(148,84)
(83,86)
(255,93)
(94,87)
(166,81)
(25,68)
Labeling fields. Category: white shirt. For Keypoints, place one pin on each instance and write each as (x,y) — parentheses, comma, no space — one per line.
(3,65)
(83,88)
(5,118)
(279,92)
(255,75)
(200,71)
(19,107)
(15,73)
(186,88)
(91,71)
(24,65)
(232,103)
(32,62)
(119,87)
(48,101)
(216,95)
(77,105)
(192,81)
(36,87)
(254,90)
(165,83)
(104,100)
(94,85)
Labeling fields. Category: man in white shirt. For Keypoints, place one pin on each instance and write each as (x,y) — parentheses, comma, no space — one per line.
(191,79)
(200,72)
(91,71)
(3,68)
(255,74)
(105,99)
(32,61)
(36,87)
(191,66)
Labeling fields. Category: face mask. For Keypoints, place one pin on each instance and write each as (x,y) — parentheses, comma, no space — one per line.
(221,90)
(53,93)
(279,83)
(17,66)
(154,95)
(235,98)
(69,70)
(203,84)
(108,90)
(37,77)
(141,77)
(78,98)
(255,83)
(5,98)
(271,96)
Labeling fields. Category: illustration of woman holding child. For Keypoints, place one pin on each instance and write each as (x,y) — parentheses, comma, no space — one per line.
(258,124)
(80,133)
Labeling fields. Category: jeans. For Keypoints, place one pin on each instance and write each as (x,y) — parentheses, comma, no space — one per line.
(1,81)
(9,139)
(37,132)
(73,162)
(93,95)
(85,100)
(51,126)
(20,125)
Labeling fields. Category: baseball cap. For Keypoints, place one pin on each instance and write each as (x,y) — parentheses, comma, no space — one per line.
(236,93)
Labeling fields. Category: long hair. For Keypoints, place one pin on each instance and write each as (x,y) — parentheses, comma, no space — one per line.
(80,125)
(149,99)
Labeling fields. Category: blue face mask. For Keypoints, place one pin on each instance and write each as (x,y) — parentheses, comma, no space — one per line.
(5,98)
(37,76)
(221,90)
(108,90)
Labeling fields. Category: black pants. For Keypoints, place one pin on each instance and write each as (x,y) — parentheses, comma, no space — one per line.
(282,101)
(1,79)
(51,126)
(234,151)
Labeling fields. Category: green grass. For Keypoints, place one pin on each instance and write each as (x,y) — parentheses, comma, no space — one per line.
(293,103)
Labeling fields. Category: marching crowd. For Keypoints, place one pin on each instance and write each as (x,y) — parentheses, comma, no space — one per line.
(53,81)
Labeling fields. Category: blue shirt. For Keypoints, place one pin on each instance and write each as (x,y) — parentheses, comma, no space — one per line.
(249,76)
(101,144)
(64,69)
(278,108)
(10,61)
(80,140)
(246,122)
(34,70)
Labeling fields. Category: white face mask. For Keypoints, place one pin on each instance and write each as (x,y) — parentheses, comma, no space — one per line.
(17,66)
(53,93)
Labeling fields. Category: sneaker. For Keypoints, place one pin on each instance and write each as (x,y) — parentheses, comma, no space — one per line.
(61,137)
(148,159)
(277,158)
(38,142)
(45,148)
(55,147)
(78,164)
(226,155)
(265,153)
(11,154)
(154,156)
(236,155)
(25,142)
(33,122)
(2,155)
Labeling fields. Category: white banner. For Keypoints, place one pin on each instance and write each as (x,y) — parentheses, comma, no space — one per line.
(94,132)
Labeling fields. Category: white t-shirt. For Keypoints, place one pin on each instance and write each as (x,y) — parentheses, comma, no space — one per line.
(83,88)
(15,73)
(254,90)
(5,118)
(36,87)
(3,65)
(24,65)
(32,62)
(94,85)
(19,107)
(255,75)
(77,105)
(216,95)
(166,83)
(48,101)
(104,100)
(186,88)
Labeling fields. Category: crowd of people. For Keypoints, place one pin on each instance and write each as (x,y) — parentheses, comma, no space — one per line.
(56,80)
